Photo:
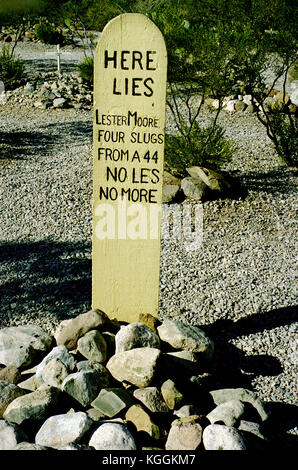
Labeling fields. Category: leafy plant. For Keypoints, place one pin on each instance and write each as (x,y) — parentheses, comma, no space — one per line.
(279,121)
(283,131)
(12,69)
(197,146)
(47,34)
(224,47)
(86,70)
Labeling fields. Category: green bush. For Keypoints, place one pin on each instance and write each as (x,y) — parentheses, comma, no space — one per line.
(284,129)
(222,46)
(86,70)
(197,147)
(12,69)
(47,34)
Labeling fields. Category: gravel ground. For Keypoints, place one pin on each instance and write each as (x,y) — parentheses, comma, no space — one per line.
(40,57)
(239,286)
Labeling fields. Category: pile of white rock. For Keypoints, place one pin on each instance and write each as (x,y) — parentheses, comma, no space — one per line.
(68,90)
(98,384)
(51,90)
(277,100)
(201,184)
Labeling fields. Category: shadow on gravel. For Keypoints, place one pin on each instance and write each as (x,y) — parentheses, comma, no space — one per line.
(71,128)
(45,276)
(276,181)
(254,323)
(283,417)
(35,66)
(19,145)
(241,369)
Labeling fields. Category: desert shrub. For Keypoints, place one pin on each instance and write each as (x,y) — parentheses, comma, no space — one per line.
(47,34)
(280,123)
(86,70)
(12,69)
(223,48)
(284,130)
(197,146)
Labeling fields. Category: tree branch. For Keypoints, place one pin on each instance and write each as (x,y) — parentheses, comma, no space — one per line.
(176,113)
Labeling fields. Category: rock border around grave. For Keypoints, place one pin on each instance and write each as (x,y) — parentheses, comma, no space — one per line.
(133,400)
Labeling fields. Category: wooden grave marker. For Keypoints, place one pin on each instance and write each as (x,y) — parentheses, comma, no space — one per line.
(128,140)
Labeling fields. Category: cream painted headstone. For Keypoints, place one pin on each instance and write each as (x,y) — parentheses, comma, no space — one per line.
(129,120)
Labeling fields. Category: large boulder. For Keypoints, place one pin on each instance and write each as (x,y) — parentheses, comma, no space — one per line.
(10,435)
(59,103)
(137,366)
(186,337)
(171,395)
(31,384)
(214,180)
(112,436)
(53,373)
(64,429)
(55,367)
(184,434)
(8,393)
(221,437)
(152,398)
(142,421)
(103,376)
(35,406)
(93,346)
(69,331)
(168,178)
(83,386)
(135,335)
(111,401)
(19,344)
(169,192)
(10,374)
(194,188)
(224,395)
(228,413)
